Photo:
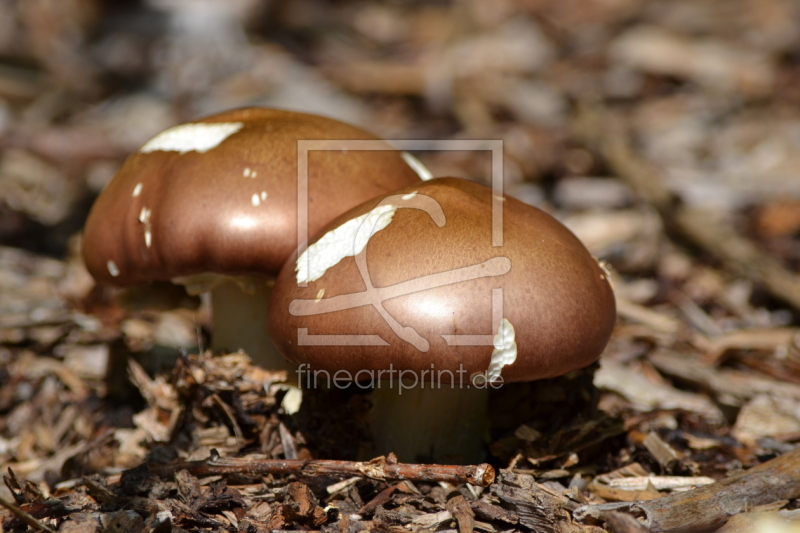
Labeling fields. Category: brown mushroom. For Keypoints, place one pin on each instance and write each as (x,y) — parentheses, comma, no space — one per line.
(409,286)
(212,205)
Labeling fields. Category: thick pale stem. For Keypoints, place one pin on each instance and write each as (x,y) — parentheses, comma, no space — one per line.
(240,322)
(444,424)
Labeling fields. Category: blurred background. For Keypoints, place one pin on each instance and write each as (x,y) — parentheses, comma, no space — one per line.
(665,133)
(709,89)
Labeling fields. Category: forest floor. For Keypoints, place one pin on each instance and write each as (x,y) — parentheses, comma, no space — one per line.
(664,133)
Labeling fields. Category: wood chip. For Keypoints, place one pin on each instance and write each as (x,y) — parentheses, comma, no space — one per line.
(660,482)
(461,511)
(775,339)
(623,495)
(646,395)
(663,452)
(342,485)
(767,416)
(487,511)
(732,385)
(432,521)
(287,442)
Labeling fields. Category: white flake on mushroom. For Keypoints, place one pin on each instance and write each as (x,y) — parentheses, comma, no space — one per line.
(112,268)
(198,137)
(417,166)
(257,198)
(346,240)
(144,215)
(505,350)
(144,218)
(138,189)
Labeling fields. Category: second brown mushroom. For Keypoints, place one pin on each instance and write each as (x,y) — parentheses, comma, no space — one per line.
(409,293)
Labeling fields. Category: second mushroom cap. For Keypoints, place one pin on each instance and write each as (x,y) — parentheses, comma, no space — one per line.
(411,281)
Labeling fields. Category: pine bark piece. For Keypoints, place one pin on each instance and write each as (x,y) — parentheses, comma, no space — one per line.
(709,507)
(461,511)
(383,497)
(380,469)
(302,506)
(487,511)
(538,508)
(188,488)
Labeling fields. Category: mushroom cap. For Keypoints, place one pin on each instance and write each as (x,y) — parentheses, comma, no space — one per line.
(219,195)
(554,293)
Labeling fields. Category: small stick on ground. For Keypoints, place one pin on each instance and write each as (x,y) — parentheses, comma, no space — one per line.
(25,517)
(709,507)
(380,468)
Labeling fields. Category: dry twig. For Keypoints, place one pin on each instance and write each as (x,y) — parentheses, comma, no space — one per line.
(25,517)
(380,468)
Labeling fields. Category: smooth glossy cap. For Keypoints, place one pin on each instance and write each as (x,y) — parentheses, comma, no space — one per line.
(433,294)
(219,195)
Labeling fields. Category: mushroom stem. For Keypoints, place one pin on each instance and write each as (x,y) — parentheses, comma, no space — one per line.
(430,422)
(240,322)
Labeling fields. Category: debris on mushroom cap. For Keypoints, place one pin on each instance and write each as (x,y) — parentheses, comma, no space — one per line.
(219,195)
(346,240)
(198,137)
(421,170)
(505,350)
(440,299)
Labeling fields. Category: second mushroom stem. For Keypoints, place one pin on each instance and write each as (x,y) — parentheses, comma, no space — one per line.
(430,421)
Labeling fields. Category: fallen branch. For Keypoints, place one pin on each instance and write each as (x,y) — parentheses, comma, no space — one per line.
(380,468)
(709,507)
(604,133)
